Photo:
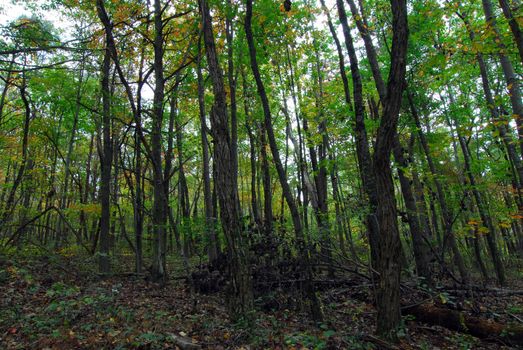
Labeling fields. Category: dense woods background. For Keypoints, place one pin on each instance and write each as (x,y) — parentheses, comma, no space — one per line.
(274,153)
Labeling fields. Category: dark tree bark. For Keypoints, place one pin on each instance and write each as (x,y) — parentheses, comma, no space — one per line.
(314,305)
(322,214)
(240,299)
(159,214)
(511,79)
(459,321)
(421,251)
(360,132)
(341,59)
(231,77)
(253,151)
(389,245)
(266,180)
(168,163)
(514,25)
(422,254)
(183,191)
(213,248)
(138,172)
(8,207)
(136,112)
(106,162)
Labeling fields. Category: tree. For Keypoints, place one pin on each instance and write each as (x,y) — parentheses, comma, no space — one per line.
(240,290)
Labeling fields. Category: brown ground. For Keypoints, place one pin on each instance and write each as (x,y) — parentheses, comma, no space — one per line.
(47,303)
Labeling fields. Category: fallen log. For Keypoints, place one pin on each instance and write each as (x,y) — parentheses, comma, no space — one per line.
(481,291)
(461,322)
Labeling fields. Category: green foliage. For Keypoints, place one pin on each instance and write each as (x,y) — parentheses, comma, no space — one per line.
(309,340)
(464,341)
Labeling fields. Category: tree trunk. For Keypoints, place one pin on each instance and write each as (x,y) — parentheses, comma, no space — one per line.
(240,298)
(389,245)
(511,79)
(106,161)
(213,248)
(314,305)
(458,321)
(252,146)
(482,209)
(159,215)
(422,254)
(447,217)
(514,25)
(17,179)
(360,132)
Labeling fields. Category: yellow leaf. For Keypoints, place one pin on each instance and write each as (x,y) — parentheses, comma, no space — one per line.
(483,230)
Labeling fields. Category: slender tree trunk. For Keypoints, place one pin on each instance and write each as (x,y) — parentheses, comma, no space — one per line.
(138,172)
(7,84)
(213,248)
(321,173)
(252,146)
(336,197)
(422,254)
(183,193)
(266,180)
(17,180)
(341,59)
(482,209)
(70,147)
(173,115)
(511,79)
(495,114)
(314,305)
(514,25)
(159,215)
(106,163)
(447,217)
(360,132)
(305,182)
(229,35)
(240,297)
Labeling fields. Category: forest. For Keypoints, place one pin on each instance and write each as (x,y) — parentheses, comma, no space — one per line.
(261,174)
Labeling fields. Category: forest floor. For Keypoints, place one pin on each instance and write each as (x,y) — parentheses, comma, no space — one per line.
(58,302)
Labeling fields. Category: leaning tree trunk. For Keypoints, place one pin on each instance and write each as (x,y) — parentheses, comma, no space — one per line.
(495,115)
(511,79)
(514,25)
